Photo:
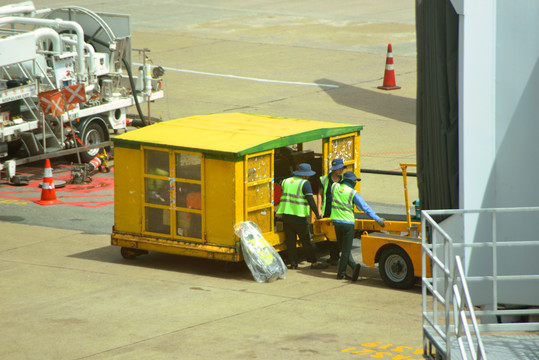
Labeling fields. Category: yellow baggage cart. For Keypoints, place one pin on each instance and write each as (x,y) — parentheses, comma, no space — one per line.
(182,185)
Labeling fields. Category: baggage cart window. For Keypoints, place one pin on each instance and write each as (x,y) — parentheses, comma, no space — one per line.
(188,166)
(189,204)
(157,191)
(157,220)
(173,203)
(156,162)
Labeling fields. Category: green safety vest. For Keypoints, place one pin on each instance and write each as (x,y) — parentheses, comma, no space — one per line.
(293,202)
(325,183)
(342,207)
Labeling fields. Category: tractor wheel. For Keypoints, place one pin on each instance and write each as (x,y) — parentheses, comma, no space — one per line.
(396,268)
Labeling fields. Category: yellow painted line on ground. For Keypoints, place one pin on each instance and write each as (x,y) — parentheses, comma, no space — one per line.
(387,351)
(14,202)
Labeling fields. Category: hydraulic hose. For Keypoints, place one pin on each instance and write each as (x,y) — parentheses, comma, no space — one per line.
(133,90)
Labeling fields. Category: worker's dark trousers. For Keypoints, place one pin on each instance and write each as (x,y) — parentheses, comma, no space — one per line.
(333,249)
(292,231)
(333,246)
(345,238)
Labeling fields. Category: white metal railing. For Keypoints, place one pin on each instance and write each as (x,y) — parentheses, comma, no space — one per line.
(448,286)
(462,310)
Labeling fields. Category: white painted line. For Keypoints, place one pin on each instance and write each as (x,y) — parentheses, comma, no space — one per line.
(246,78)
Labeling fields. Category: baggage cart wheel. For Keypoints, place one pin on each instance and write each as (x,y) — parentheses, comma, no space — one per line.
(396,268)
(129,253)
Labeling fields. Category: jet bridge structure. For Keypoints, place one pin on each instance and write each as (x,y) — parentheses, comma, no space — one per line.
(478,80)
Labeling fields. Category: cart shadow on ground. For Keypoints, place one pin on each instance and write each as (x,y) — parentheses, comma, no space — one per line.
(369,277)
(170,262)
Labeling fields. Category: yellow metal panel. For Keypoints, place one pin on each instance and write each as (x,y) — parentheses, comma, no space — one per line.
(277,240)
(239,205)
(259,194)
(220,180)
(357,158)
(326,157)
(259,167)
(178,247)
(259,190)
(262,218)
(346,147)
(128,190)
(343,147)
(325,227)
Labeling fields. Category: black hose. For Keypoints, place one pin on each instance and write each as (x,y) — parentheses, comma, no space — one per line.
(133,90)
(129,73)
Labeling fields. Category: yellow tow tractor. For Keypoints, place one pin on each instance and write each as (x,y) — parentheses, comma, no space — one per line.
(182,185)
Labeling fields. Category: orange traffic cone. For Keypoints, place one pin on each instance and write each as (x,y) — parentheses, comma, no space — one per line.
(389,75)
(95,163)
(48,194)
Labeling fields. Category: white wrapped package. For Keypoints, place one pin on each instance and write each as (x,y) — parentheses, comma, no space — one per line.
(262,259)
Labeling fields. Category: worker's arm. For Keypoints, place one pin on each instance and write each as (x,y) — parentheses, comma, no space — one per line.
(312,204)
(308,192)
(362,204)
(319,199)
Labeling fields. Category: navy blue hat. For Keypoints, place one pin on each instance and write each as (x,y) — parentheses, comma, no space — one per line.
(304,170)
(337,164)
(351,176)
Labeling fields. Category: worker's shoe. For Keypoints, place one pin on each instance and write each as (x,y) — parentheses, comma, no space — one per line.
(355,275)
(344,277)
(293,266)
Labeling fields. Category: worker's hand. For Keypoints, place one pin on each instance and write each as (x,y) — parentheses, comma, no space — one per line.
(381,222)
(318,217)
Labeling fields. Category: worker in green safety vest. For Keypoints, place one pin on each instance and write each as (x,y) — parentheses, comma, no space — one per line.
(295,206)
(325,198)
(343,218)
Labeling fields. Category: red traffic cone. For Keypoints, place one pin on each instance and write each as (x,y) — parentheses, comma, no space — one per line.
(389,75)
(48,193)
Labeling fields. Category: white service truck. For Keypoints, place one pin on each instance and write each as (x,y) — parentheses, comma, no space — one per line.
(66,81)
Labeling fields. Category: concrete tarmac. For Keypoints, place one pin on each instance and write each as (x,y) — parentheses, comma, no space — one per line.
(70,295)
(65,293)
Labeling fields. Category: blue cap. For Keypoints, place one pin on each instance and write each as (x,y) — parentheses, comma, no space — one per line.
(337,164)
(304,170)
(351,176)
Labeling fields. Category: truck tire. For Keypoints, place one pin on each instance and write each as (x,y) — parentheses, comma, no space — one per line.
(396,268)
(91,134)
